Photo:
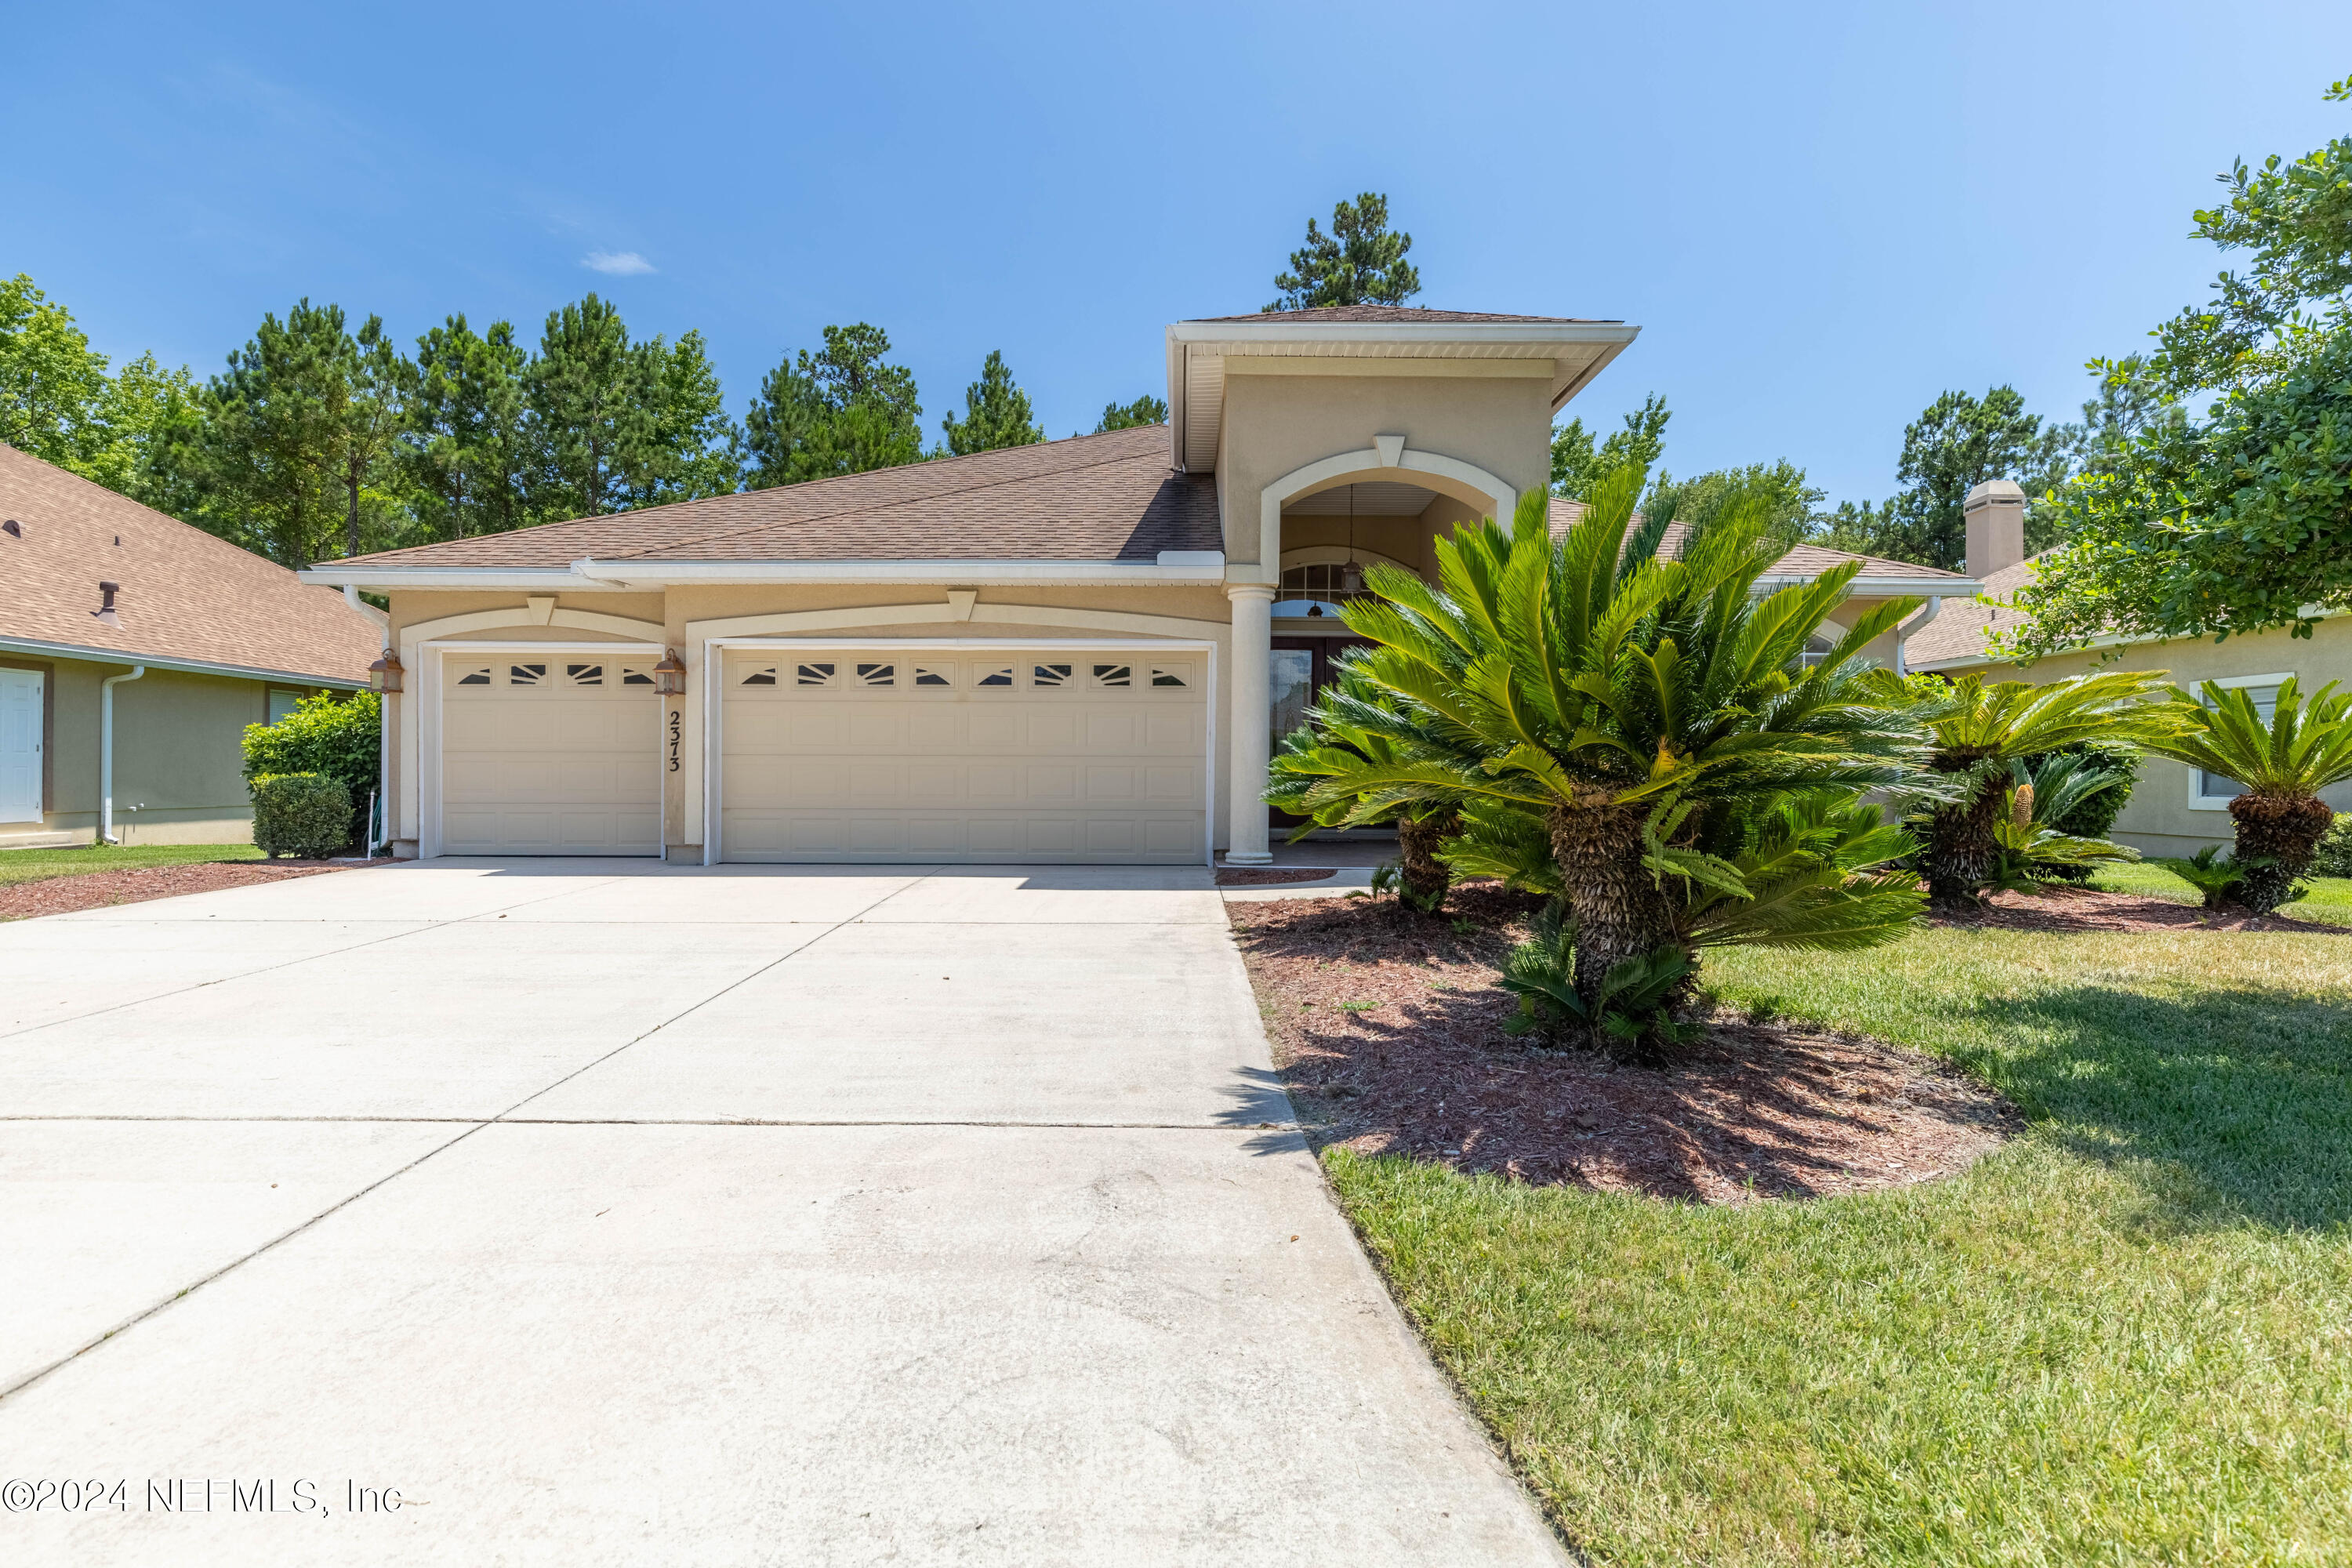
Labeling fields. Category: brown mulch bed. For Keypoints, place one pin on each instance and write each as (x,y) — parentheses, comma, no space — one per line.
(99,890)
(1268,875)
(2063,909)
(1386,1030)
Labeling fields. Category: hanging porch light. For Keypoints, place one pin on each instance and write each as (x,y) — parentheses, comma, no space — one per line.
(669,676)
(384,674)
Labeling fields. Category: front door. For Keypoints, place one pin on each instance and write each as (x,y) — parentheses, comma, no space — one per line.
(1299,669)
(20,745)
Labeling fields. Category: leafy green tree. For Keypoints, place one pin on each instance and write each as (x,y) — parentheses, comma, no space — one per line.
(589,396)
(467,445)
(844,409)
(144,406)
(1787,507)
(53,386)
(374,377)
(1577,466)
(692,448)
(996,413)
(618,423)
(1647,709)
(1360,263)
(274,444)
(1957,444)
(2239,522)
(1145,410)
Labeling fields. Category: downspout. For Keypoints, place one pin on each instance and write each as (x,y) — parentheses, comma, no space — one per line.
(106,752)
(383,728)
(1918,623)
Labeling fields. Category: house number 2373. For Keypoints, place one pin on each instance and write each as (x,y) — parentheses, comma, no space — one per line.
(673,739)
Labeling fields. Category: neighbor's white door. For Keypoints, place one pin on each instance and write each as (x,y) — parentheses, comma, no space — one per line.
(21,694)
(1055,755)
(553,753)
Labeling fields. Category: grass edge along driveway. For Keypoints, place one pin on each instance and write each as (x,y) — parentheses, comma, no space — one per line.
(39,865)
(2127,1338)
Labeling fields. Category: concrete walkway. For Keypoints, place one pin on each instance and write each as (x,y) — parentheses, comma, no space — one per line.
(613,1213)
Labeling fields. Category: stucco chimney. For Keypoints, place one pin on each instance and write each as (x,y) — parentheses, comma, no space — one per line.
(1995,510)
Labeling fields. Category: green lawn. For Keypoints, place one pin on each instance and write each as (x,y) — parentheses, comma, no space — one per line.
(2125,1339)
(33,865)
(2330,899)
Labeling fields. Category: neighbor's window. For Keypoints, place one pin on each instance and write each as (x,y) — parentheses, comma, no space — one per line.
(1817,648)
(2221,786)
(282,700)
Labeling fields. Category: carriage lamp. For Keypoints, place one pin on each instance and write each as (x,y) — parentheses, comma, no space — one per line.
(384,675)
(669,676)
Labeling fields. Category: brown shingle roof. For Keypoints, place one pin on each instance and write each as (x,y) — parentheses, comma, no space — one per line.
(1091,498)
(1804,560)
(186,595)
(1385,315)
(1958,631)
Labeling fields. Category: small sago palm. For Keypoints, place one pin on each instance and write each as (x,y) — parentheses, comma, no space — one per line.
(1635,704)
(1979,728)
(2285,763)
(1341,735)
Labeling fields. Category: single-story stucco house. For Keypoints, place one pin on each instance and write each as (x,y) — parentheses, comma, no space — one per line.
(1076,651)
(134,650)
(2174,809)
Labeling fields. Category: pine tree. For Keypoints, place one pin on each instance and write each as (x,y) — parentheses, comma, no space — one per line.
(1145,410)
(1359,262)
(466,447)
(842,410)
(996,413)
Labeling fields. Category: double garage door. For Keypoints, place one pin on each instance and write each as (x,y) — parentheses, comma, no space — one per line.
(1038,755)
(847,755)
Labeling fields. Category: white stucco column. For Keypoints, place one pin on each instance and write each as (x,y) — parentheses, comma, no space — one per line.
(1253,718)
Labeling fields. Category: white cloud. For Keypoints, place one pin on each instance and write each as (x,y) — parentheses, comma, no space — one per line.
(617,264)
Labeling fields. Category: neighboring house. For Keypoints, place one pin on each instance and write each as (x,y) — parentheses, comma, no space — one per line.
(2174,809)
(133,645)
(1076,651)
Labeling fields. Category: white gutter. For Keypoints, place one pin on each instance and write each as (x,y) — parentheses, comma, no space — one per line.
(1917,622)
(391,579)
(383,730)
(1886,587)
(1273,328)
(1171,567)
(106,752)
(187,666)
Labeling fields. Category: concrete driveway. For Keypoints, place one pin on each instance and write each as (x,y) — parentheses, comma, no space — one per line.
(599,1214)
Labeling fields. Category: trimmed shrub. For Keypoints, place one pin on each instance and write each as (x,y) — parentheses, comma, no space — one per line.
(306,815)
(2097,814)
(2333,857)
(331,735)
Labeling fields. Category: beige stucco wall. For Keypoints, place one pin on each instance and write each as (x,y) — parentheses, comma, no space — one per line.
(2159,820)
(686,614)
(178,754)
(1274,424)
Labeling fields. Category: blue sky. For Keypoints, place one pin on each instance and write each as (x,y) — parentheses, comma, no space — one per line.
(1820,216)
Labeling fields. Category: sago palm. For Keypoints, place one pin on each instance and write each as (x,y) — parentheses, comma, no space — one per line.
(1335,741)
(1635,704)
(1980,727)
(2305,746)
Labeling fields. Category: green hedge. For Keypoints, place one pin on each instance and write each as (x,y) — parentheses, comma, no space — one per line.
(2335,856)
(330,734)
(306,815)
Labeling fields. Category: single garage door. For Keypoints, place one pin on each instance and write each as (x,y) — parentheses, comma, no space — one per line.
(555,754)
(1041,755)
